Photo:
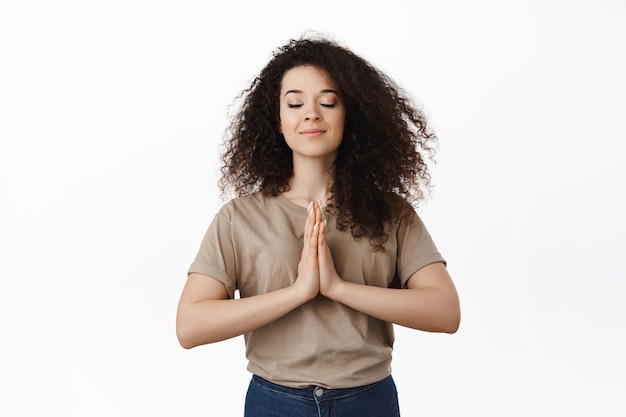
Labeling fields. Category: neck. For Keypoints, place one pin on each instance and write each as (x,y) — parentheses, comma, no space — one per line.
(311,181)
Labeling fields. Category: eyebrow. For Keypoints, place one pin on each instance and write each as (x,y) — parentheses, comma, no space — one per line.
(326,91)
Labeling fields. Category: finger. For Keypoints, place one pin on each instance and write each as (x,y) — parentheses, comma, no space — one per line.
(309,207)
(316,231)
(310,221)
(321,240)
(314,226)
(318,211)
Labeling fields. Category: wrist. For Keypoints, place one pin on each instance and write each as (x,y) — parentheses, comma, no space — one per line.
(301,292)
(335,291)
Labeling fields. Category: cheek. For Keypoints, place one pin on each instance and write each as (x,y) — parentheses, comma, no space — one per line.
(340,121)
(286,123)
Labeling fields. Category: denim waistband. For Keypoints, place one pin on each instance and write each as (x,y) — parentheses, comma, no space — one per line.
(313,392)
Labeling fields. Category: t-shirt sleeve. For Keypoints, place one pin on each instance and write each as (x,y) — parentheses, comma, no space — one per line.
(216,256)
(416,248)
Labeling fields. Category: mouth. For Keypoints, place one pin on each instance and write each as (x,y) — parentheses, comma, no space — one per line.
(312,132)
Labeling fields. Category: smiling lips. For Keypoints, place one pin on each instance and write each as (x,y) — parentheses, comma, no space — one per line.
(312,133)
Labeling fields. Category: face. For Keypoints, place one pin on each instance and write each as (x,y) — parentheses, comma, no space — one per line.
(312,113)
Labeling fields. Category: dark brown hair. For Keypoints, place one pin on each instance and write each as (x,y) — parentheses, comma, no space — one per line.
(382,162)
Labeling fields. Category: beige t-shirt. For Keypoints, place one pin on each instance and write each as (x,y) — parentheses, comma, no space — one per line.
(254,245)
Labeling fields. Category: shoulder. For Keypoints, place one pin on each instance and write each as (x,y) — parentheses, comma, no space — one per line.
(251,204)
(401,210)
(256,200)
(247,200)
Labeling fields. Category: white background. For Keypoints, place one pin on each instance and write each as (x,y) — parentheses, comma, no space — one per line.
(111,115)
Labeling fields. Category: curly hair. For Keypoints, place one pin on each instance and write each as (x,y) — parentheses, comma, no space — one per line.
(382,162)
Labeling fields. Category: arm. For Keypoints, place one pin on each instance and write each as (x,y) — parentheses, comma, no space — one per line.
(206,315)
(430,303)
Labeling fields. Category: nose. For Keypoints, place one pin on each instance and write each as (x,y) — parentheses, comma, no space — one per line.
(312,114)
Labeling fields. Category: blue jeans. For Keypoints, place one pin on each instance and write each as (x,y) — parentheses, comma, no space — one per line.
(266,399)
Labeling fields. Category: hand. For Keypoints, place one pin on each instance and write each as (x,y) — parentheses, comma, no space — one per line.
(329,279)
(308,280)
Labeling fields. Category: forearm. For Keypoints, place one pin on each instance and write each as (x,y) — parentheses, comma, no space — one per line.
(428,309)
(210,321)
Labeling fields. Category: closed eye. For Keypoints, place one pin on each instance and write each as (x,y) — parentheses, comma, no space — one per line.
(294,106)
(328,105)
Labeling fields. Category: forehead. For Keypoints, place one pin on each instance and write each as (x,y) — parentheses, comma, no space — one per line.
(306,75)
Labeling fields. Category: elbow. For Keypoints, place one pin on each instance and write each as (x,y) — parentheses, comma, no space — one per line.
(448,326)
(452,327)
(185,335)
(454,321)
(184,340)
(190,336)
(189,342)
(186,344)
(452,317)
(447,320)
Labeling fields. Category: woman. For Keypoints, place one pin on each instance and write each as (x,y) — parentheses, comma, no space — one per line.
(326,157)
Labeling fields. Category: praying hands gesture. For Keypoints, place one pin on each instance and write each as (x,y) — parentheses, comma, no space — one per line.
(316,270)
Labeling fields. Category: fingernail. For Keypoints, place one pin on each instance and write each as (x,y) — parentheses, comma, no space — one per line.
(319,203)
(308,209)
(316,226)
